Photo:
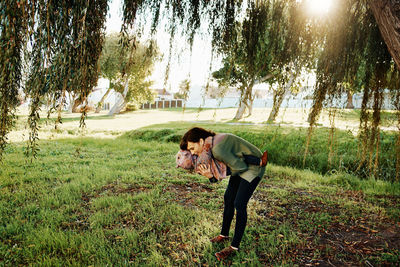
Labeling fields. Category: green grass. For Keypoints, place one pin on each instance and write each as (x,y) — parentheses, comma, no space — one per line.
(388,117)
(286,146)
(122,202)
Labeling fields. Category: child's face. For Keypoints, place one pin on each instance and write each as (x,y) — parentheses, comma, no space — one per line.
(195,148)
(184,160)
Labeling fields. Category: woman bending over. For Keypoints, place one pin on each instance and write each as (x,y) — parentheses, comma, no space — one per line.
(244,178)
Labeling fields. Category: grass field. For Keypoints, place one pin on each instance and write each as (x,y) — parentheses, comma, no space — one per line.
(120,202)
(286,145)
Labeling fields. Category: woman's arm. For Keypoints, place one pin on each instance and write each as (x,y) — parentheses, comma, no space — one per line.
(205,170)
(253,160)
(231,151)
(235,163)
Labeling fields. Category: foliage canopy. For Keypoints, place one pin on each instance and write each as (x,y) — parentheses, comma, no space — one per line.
(133,67)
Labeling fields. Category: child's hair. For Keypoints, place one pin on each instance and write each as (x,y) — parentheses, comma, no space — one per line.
(184,160)
(194,135)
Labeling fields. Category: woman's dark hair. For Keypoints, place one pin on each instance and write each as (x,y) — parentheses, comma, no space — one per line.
(194,135)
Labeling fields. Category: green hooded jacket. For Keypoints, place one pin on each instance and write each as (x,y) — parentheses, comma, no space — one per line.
(230,149)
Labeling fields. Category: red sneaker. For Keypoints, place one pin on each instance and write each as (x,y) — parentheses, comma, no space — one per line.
(264,158)
(219,239)
(225,253)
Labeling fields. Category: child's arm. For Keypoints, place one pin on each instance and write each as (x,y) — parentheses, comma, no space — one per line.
(205,170)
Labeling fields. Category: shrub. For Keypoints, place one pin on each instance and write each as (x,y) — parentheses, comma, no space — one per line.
(286,147)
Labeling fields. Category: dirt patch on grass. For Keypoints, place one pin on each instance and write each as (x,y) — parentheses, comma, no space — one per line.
(79,223)
(184,193)
(383,201)
(79,220)
(386,201)
(356,243)
(364,239)
(297,201)
(354,195)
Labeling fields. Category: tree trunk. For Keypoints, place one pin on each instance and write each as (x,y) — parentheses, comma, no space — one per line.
(60,107)
(71,102)
(100,103)
(279,95)
(242,106)
(240,111)
(75,106)
(249,98)
(387,15)
(250,106)
(120,103)
(118,106)
(349,100)
(246,101)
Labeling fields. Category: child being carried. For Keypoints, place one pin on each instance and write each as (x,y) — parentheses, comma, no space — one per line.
(187,161)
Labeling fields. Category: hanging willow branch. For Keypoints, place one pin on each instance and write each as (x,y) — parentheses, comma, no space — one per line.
(396,103)
(394,85)
(66,44)
(346,58)
(332,132)
(378,65)
(39,82)
(13,25)
(90,48)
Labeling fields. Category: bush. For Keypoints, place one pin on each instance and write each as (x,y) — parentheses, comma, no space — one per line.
(164,135)
(286,147)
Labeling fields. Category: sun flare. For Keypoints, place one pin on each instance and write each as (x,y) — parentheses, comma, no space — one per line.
(319,7)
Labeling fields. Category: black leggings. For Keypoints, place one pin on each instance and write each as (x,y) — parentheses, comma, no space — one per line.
(237,196)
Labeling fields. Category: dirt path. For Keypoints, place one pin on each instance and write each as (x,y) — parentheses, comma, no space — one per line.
(100,126)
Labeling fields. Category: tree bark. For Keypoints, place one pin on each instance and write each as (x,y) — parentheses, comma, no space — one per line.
(71,102)
(100,103)
(387,15)
(349,100)
(120,103)
(242,106)
(76,104)
(240,111)
(250,106)
(60,107)
(250,98)
(118,106)
(246,101)
(279,95)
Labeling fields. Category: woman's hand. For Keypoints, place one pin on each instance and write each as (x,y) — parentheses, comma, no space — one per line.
(205,170)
